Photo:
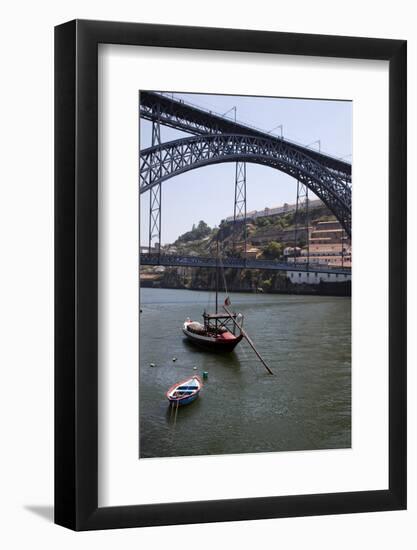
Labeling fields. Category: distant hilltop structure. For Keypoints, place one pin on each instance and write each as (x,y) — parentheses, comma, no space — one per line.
(275,211)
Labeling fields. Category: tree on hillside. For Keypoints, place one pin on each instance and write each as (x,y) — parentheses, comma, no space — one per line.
(198,232)
(263,222)
(273,251)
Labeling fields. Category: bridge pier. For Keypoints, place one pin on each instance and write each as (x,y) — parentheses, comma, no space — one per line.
(239,212)
(301,206)
(155,193)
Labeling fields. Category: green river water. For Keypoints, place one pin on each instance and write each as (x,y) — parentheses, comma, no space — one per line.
(306,340)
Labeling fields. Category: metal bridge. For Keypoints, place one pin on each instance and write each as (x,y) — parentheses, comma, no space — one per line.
(216,139)
(237,263)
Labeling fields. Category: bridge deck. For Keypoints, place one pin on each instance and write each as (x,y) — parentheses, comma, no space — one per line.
(238,263)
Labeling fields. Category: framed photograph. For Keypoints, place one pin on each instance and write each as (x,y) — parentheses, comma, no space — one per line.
(230,244)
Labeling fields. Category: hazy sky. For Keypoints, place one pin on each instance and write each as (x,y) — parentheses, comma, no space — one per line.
(208,193)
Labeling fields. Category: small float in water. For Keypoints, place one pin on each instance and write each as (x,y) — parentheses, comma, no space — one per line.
(184,392)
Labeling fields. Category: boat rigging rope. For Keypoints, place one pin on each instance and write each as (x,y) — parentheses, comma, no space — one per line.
(210,288)
(223,274)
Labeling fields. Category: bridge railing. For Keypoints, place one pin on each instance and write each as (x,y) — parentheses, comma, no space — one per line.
(204,261)
(179,100)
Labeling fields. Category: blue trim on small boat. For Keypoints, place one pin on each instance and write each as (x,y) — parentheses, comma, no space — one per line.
(187,400)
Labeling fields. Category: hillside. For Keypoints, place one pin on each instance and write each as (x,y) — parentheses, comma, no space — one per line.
(268,234)
(267,237)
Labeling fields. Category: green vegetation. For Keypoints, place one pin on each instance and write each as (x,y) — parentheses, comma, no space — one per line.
(273,250)
(267,224)
(197,233)
(271,234)
(267,284)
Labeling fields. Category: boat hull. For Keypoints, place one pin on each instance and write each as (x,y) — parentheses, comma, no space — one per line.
(184,401)
(213,343)
(180,395)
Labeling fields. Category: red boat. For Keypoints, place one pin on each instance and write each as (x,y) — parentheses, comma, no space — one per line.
(219,332)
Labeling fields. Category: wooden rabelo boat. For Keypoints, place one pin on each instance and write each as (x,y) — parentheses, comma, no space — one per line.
(218,332)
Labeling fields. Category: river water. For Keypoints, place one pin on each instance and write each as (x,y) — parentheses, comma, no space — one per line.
(306,340)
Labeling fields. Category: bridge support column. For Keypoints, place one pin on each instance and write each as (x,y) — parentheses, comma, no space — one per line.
(239,215)
(302,211)
(155,191)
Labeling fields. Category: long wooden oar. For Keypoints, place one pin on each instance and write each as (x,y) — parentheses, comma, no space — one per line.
(249,341)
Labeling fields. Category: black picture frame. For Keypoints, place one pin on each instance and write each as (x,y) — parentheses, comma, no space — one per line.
(76,272)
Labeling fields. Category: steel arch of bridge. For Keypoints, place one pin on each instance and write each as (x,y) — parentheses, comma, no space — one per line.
(177,114)
(181,155)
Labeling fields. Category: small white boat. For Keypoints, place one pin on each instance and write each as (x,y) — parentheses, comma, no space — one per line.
(185,392)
